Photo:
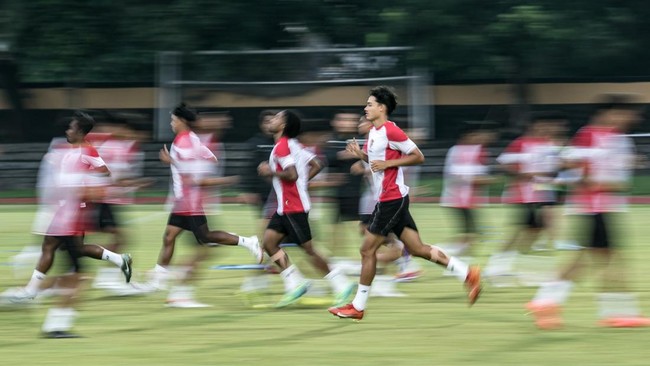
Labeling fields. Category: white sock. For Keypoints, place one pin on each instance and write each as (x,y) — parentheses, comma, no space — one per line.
(613,304)
(361,298)
(291,277)
(556,292)
(34,284)
(248,243)
(114,258)
(58,319)
(338,280)
(458,268)
(181,292)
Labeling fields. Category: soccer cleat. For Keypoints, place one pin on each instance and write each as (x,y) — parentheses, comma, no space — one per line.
(408,276)
(547,315)
(60,334)
(473,284)
(343,297)
(346,312)
(185,304)
(625,322)
(126,267)
(293,295)
(17,296)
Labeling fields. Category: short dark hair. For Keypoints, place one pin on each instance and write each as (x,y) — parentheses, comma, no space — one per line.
(547,116)
(616,101)
(184,112)
(85,122)
(385,95)
(291,123)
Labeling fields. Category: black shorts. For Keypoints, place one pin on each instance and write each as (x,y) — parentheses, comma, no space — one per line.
(601,231)
(392,216)
(294,226)
(532,216)
(467,218)
(105,216)
(347,209)
(365,219)
(189,223)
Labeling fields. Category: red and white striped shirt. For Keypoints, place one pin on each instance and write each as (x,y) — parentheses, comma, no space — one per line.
(293,197)
(462,165)
(388,142)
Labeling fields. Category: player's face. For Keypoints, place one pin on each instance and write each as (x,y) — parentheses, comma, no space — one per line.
(73,134)
(277,123)
(175,123)
(266,123)
(373,109)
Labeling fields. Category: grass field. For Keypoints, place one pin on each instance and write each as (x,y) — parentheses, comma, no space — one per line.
(433,325)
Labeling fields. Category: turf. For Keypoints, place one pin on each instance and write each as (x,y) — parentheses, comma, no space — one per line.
(433,325)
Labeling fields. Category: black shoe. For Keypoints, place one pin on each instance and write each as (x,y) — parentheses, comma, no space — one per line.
(60,334)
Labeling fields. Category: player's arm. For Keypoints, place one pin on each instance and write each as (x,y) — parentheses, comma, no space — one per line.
(414,157)
(358,168)
(288,174)
(315,166)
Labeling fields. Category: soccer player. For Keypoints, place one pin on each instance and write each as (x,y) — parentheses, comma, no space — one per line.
(387,150)
(190,163)
(72,167)
(606,159)
(291,166)
(464,173)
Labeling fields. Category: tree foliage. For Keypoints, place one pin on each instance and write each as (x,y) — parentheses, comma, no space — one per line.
(101,40)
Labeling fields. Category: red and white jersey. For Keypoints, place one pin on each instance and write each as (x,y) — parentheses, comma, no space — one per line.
(192,161)
(67,170)
(124,159)
(388,142)
(293,197)
(462,165)
(530,155)
(607,157)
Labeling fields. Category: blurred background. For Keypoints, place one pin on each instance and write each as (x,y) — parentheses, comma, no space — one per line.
(450,61)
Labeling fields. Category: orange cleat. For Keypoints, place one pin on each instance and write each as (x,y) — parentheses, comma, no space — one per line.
(473,284)
(346,311)
(547,315)
(625,322)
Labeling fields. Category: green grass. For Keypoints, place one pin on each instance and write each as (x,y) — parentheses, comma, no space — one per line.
(432,326)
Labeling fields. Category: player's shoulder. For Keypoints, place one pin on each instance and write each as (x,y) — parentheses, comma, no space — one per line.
(185,139)
(90,150)
(393,132)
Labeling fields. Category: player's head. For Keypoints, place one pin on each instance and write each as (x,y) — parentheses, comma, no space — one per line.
(617,110)
(477,133)
(286,122)
(80,125)
(345,122)
(364,126)
(381,102)
(182,118)
(264,120)
(546,123)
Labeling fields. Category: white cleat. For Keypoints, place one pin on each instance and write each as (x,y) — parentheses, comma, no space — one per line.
(17,296)
(186,303)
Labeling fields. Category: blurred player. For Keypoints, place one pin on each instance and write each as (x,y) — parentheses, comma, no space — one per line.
(606,159)
(387,150)
(528,160)
(292,166)
(70,169)
(465,172)
(191,163)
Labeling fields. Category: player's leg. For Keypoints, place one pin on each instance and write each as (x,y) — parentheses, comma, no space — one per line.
(204,235)
(48,250)
(122,261)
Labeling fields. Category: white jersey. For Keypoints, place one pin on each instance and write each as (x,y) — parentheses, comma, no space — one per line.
(293,197)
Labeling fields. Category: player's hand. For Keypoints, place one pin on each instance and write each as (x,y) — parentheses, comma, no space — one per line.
(378,165)
(164,156)
(264,169)
(353,148)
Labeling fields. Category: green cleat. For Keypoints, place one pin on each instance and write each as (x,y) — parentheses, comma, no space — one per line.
(344,296)
(126,266)
(293,296)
